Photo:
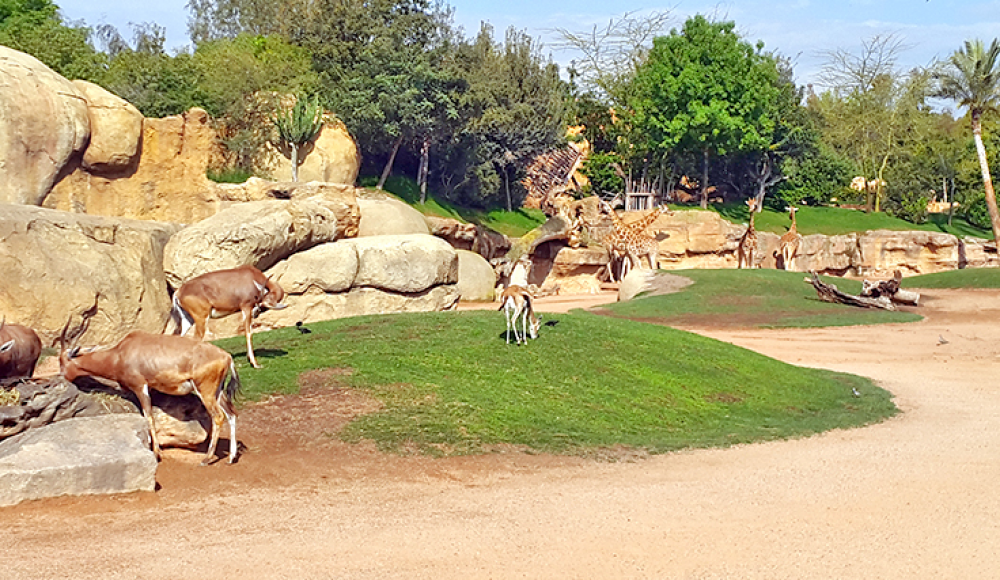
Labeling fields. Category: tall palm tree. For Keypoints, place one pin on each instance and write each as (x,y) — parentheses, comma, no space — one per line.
(972,78)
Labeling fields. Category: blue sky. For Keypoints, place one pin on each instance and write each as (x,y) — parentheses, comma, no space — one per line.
(800,29)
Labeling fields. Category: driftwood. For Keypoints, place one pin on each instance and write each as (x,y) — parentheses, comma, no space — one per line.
(830,293)
(890,288)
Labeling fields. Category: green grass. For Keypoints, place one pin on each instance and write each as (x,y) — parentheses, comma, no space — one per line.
(832,221)
(509,223)
(450,385)
(753,298)
(967,278)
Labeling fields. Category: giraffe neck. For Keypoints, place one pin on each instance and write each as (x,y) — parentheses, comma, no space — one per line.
(793,228)
(644,222)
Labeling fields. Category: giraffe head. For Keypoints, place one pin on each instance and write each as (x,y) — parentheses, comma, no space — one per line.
(791,210)
(752,204)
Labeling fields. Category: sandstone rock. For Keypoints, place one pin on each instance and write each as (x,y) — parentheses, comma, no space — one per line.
(576,270)
(328,267)
(404,263)
(881,252)
(181,421)
(476,278)
(257,233)
(54,264)
(169,182)
(383,217)
(636,282)
(92,455)
(115,130)
(333,157)
(45,122)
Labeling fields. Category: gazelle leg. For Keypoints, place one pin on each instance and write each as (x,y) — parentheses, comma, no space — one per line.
(247,320)
(147,409)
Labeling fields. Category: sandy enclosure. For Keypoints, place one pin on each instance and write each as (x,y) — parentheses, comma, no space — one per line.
(914,497)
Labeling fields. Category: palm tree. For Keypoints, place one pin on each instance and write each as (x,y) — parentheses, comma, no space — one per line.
(972,78)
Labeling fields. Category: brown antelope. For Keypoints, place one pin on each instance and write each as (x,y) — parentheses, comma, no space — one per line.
(221,293)
(167,363)
(20,348)
(516,303)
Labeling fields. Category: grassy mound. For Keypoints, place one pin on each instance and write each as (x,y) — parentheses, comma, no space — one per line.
(753,298)
(968,278)
(450,385)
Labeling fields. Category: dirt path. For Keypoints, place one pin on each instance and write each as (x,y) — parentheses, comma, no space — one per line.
(915,497)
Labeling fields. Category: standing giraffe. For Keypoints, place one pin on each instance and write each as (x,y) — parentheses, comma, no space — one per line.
(748,243)
(789,244)
(630,240)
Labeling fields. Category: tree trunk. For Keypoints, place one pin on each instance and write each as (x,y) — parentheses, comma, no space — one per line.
(830,293)
(704,181)
(295,162)
(506,183)
(991,198)
(951,204)
(425,154)
(388,165)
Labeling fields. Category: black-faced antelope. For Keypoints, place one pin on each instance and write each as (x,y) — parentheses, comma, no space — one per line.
(221,293)
(516,302)
(20,348)
(167,363)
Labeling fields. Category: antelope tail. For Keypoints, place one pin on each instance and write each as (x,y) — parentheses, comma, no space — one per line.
(180,317)
(227,395)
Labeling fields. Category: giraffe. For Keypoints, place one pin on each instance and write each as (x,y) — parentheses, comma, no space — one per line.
(516,303)
(789,243)
(630,240)
(748,243)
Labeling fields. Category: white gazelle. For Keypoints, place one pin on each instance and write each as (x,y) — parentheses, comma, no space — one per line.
(516,304)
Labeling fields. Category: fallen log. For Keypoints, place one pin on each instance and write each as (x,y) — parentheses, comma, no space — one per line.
(830,293)
(890,288)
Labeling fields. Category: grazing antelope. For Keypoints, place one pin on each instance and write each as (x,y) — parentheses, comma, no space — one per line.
(167,363)
(516,303)
(221,293)
(20,348)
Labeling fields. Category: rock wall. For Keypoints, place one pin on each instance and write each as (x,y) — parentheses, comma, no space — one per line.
(55,264)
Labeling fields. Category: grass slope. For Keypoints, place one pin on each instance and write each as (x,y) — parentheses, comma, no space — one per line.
(967,278)
(833,221)
(450,385)
(752,298)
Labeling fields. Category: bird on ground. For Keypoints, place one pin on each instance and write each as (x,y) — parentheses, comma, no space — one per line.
(941,340)
(301,328)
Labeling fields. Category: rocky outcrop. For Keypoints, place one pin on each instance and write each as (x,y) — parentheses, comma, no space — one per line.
(576,270)
(388,217)
(167,183)
(115,130)
(468,236)
(332,157)
(91,455)
(257,233)
(476,278)
(378,275)
(56,264)
(44,124)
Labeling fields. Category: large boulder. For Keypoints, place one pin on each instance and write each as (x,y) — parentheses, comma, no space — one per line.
(476,278)
(332,157)
(44,123)
(259,233)
(384,217)
(92,455)
(56,264)
(168,183)
(115,130)
(379,275)
(881,252)
(576,270)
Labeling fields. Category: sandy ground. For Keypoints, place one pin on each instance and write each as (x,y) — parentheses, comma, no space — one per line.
(914,497)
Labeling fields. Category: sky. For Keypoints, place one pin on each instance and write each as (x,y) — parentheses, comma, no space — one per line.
(799,29)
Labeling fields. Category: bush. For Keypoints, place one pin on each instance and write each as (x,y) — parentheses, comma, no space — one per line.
(977,214)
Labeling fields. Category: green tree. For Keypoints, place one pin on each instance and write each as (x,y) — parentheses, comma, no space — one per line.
(298,126)
(36,28)
(704,90)
(971,76)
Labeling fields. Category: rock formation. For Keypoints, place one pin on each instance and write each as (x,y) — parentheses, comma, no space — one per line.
(115,130)
(55,264)
(44,124)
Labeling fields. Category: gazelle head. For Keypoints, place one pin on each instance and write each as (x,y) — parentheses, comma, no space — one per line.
(273,295)
(533,326)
